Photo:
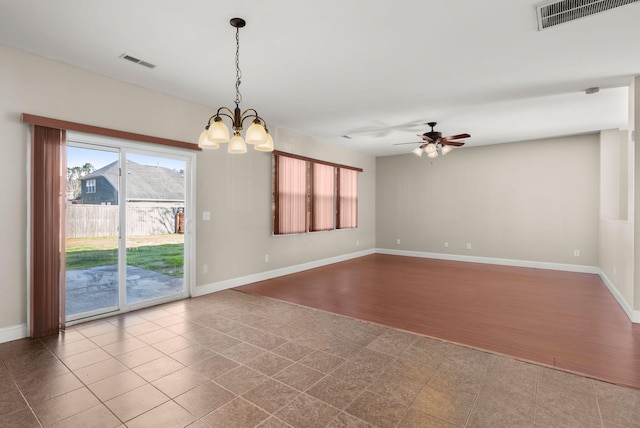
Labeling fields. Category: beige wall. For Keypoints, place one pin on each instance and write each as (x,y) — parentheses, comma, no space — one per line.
(236,189)
(237,192)
(616,224)
(532,201)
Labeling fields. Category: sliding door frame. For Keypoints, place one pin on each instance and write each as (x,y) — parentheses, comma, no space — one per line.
(125,147)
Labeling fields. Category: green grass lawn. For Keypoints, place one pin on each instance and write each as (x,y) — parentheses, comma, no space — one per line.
(166,259)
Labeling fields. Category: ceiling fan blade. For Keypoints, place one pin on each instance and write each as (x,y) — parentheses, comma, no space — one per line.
(373,133)
(383,130)
(402,144)
(452,143)
(456,137)
(425,137)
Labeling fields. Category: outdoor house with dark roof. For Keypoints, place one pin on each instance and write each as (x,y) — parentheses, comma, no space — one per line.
(145,183)
(155,202)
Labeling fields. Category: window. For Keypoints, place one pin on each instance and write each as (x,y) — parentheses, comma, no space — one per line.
(291,196)
(347,198)
(323,190)
(312,195)
(91,185)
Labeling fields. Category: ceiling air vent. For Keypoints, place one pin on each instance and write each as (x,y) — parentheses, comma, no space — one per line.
(137,61)
(555,12)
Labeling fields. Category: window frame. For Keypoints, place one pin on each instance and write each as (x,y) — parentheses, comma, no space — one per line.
(90,185)
(310,199)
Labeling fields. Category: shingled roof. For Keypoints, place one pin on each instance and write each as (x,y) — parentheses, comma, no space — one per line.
(145,182)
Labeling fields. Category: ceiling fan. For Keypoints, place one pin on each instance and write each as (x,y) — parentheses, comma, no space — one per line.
(433,140)
(382,130)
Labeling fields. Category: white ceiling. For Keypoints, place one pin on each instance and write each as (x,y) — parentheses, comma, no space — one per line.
(335,67)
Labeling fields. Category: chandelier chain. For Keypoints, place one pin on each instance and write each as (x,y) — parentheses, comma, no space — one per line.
(238,71)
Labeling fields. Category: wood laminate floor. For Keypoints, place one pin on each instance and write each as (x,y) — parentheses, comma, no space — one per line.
(560,319)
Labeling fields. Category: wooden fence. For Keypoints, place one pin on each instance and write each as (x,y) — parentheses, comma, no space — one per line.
(90,221)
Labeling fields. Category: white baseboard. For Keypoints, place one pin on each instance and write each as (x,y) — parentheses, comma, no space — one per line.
(634,316)
(262,276)
(492,261)
(7,334)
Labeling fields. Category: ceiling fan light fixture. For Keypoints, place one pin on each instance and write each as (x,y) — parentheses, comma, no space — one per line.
(446,149)
(417,151)
(433,154)
(430,148)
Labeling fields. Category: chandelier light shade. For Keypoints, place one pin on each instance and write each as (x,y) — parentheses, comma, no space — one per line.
(237,144)
(216,131)
(256,133)
(207,143)
(266,147)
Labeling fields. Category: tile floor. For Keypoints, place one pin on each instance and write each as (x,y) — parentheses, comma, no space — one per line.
(231,359)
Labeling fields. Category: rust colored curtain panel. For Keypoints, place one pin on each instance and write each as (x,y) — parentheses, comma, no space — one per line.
(347,198)
(46,203)
(291,194)
(323,197)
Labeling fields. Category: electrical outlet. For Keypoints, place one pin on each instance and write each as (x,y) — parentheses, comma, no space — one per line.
(468,246)
(576,253)
(357,242)
(266,258)
(206,215)
(446,244)
(398,241)
(205,268)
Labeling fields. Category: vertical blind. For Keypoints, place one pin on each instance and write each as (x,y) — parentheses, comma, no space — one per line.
(348,198)
(47,147)
(312,195)
(322,204)
(291,181)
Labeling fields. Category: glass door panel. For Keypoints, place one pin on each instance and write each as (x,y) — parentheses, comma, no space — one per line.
(154,217)
(91,231)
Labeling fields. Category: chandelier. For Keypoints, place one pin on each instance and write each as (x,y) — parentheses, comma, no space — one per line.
(216,132)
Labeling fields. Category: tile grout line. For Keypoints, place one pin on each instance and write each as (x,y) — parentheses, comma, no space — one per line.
(21,393)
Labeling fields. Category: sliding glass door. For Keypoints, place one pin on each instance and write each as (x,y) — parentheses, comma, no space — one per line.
(92,230)
(127,226)
(155,227)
